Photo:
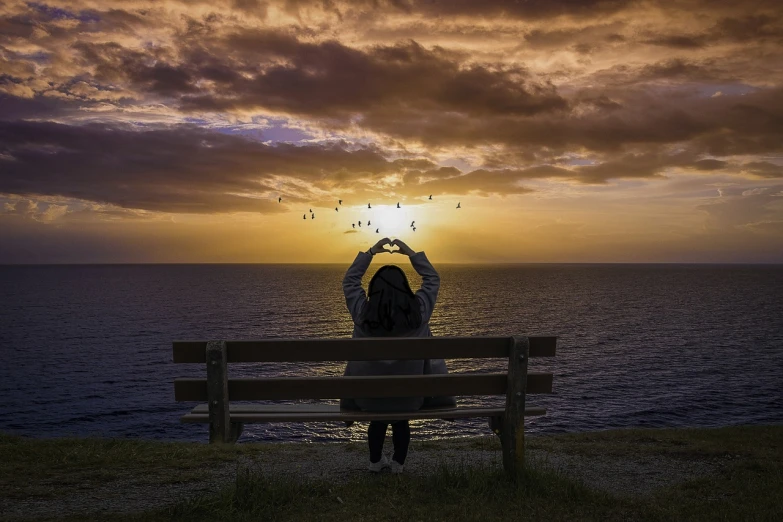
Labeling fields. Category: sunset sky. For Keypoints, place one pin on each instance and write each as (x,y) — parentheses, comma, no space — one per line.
(568,131)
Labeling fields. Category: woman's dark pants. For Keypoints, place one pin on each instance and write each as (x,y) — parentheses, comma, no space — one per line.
(401,437)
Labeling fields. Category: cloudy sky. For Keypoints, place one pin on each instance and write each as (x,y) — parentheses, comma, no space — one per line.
(568,130)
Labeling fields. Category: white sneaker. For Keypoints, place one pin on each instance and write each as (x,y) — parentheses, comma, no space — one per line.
(396,467)
(376,467)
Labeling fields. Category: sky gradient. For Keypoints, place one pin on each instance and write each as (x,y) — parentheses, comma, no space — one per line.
(568,131)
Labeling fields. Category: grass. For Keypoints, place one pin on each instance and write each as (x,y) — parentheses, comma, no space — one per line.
(731,442)
(49,464)
(449,493)
(747,484)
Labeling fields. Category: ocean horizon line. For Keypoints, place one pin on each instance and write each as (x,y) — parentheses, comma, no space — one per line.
(451,263)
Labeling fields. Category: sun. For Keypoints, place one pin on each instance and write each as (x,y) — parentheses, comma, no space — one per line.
(391,221)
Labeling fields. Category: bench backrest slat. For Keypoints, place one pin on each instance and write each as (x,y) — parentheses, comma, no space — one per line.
(290,388)
(362,349)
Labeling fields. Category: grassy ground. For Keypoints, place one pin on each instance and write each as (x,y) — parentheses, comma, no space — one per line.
(747,484)
(49,464)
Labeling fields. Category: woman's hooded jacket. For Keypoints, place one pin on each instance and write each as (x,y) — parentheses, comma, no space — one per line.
(392,321)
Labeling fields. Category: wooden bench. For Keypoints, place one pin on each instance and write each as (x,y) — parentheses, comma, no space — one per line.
(226,420)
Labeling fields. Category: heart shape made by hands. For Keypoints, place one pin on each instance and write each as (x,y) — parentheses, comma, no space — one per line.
(389,247)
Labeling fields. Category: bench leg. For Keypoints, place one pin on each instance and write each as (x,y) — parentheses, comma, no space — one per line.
(217,393)
(512,433)
(512,440)
(496,425)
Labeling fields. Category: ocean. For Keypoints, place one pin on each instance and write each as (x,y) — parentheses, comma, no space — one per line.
(86,349)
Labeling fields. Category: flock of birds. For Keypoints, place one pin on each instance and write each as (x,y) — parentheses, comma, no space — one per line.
(369,222)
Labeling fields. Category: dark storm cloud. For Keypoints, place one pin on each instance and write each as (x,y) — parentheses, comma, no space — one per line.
(196,171)
(410,92)
(178,170)
(417,163)
(526,9)
(719,126)
(709,164)
(544,9)
(191,170)
(17,108)
(267,70)
(632,118)
(763,169)
(44,24)
(746,28)
(330,79)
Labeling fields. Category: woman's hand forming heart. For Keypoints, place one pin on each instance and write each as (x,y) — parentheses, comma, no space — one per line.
(377,248)
(404,249)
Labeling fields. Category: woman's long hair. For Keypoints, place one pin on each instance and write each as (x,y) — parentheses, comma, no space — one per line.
(393,309)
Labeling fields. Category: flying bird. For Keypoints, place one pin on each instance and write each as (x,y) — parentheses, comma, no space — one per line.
(376,230)
(340,201)
(304,216)
(458,205)
(311,211)
(313,216)
(279,199)
(412,222)
(430,196)
(368,205)
(335,209)
(353,225)
(414,229)
(398,204)
(368,223)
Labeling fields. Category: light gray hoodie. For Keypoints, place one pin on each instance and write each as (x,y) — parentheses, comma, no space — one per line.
(356,300)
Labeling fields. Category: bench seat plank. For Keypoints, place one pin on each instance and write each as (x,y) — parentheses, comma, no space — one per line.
(290,388)
(331,412)
(316,407)
(363,349)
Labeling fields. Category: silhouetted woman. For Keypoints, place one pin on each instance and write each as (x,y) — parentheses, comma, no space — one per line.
(390,310)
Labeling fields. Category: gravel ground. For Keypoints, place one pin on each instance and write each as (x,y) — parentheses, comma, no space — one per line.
(335,462)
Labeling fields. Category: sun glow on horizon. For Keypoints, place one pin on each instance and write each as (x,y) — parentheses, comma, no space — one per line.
(389,220)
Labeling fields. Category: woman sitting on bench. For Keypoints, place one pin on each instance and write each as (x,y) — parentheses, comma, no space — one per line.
(391,310)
